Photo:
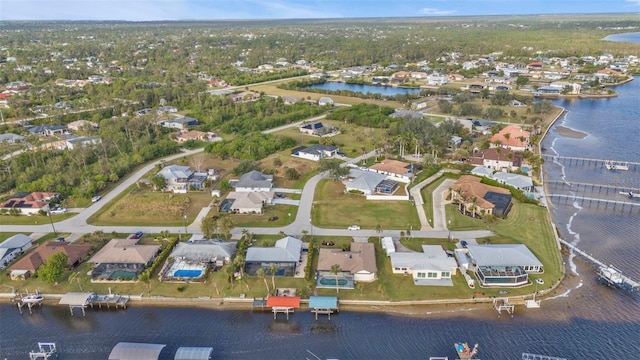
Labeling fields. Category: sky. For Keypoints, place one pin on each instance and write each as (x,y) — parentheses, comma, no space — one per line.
(150,10)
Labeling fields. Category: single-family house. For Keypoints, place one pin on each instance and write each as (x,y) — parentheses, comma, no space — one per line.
(10,138)
(12,247)
(191,135)
(419,105)
(359,261)
(316,129)
(166,110)
(395,169)
(520,182)
(285,255)
(248,202)
(511,137)
(180,178)
(183,122)
(214,252)
(47,130)
(365,182)
(122,258)
(496,159)
(290,100)
(388,245)
(477,199)
(436,79)
(82,125)
(315,152)
(324,100)
(79,141)
(245,96)
(29,203)
(503,264)
(432,266)
(253,181)
(29,264)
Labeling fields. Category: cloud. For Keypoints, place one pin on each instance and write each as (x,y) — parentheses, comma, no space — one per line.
(636,2)
(438,12)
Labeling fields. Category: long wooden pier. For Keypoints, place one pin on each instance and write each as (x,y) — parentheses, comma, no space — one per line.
(598,202)
(599,188)
(580,161)
(527,356)
(631,284)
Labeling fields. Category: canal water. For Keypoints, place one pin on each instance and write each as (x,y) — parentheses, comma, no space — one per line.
(373,89)
(582,320)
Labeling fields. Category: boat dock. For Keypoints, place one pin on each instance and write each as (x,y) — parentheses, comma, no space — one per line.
(598,163)
(82,300)
(527,356)
(45,351)
(620,280)
(109,300)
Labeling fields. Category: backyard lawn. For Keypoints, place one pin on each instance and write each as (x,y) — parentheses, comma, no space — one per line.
(286,214)
(332,208)
(33,219)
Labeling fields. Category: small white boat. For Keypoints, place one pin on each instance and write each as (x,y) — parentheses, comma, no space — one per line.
(612,165)
(611,275)
(630,194)
(32,298)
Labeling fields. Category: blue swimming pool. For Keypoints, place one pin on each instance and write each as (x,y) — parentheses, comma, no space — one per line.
(188,273)
(525,169)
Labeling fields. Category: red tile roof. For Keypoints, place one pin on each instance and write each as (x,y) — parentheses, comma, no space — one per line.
(284,301)
(513,139)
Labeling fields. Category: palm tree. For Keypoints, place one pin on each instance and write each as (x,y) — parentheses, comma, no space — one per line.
(335,270)
(146,279)
(304,234)
(379,231)
(262,275)
(282,234)
(273,268)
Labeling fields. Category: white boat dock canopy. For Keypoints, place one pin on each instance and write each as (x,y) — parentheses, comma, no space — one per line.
(193,353)
(136,351)
(76,298)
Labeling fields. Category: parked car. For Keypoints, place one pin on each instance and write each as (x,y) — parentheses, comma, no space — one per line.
(354,227)
(136,235)
(60,239)
(58,211)
(464,244)
(96,198)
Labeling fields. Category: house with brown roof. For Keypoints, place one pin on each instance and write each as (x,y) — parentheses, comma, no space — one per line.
(29,204)
(29,264)
(397,170)
(496,159)
(511,137)
(359,261)
(191,135)
(122,257)
(477,199)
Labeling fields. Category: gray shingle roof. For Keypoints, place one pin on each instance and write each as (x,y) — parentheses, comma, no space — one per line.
(175,172)
(254,179)
(287,249)
(204,250)
(503,255)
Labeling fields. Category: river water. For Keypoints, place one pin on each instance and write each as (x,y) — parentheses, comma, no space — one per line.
(383,90)
(582,320)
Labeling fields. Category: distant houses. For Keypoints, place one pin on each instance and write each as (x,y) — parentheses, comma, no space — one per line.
(325,101)
(183,122)
(10,138)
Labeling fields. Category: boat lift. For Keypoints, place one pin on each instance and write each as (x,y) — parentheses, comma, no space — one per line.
(502,304)
(45,351)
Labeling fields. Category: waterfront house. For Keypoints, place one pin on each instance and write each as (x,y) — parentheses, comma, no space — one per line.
(496,159)
(253,181)
(215,252)
(29,264)
(315,152)
(477,199)
(359,261)
(122,258)
(503,264)
(12,247)
(431,267)
(520,182)
(511,137)
(29,203)
(285,255)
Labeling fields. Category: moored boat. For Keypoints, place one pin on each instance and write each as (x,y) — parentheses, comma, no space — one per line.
(629,194)
(612,165)
(32,299)
(465,352)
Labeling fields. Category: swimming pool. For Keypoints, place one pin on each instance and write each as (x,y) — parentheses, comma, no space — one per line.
(330,281)
(123,275)
(187,273)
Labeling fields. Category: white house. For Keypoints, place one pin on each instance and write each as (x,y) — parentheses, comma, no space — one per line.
(359,261)
(183,122)
(79,141)
(365,182)
(12,247)
(249,202)
(520,182)
(432,267)
(503,265)
(324,100)
(180,178)
(315,152)
(388,245)
(253,181)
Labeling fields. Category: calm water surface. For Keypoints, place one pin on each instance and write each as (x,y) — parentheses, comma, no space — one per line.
(383,90)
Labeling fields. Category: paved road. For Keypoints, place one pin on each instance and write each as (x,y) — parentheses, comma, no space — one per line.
(295,124)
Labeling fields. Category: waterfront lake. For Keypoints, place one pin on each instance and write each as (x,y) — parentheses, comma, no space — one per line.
(373,89)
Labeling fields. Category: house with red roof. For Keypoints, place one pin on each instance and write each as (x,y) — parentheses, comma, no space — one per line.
(511,137)
(28,204)
(29,264)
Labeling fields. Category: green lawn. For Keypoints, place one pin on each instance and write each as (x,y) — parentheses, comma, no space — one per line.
(33,219)
(5,235)
(286,215)
(332,208)
(135,207)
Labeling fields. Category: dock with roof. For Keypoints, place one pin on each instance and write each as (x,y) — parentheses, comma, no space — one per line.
(323,305)
(283,304)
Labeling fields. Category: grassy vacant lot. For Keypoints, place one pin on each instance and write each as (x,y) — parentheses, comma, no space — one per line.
(333,208)
(306,169)
(257,220)
(151,208)
(33,219)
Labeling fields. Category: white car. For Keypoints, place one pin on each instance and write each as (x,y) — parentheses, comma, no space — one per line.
(58,211)
(96,198)
(354,227)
